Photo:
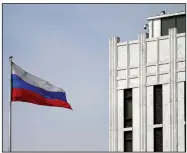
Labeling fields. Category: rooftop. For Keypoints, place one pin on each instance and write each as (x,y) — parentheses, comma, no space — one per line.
(166,15)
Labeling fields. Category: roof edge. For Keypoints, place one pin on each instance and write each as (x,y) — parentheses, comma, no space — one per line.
(166,15)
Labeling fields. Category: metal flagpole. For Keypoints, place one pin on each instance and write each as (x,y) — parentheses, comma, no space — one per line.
(10,109)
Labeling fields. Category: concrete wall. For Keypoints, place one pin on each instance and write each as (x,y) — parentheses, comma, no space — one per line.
(140,64)
(154,28)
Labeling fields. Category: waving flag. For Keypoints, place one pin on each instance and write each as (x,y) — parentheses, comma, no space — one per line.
(29,88)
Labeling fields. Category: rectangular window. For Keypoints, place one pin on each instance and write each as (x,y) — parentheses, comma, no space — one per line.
(178,22)
(166,24)
(181,24)
(128,141)
(127,108)
(157,104)
(158,140)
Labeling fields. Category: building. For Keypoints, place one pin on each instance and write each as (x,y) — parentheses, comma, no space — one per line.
(147,87)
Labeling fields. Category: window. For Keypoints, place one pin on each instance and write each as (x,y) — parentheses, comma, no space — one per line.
(127,108)
(178,22)
(166,24)
(128,120)
(157,104)
(181,24)
(158,136)
(128,141)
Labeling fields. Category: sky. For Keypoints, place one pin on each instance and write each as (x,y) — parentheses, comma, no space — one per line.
(67,45)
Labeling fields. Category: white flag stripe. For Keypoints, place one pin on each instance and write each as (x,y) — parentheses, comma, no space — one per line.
(33,80)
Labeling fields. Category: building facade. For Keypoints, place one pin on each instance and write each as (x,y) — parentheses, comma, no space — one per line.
(147,88)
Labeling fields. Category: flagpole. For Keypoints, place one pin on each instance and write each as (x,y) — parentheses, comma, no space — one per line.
(10,109)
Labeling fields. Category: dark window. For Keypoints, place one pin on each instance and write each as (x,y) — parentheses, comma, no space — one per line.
(158,104)
(166,24)
(181,24)
(158,146)
(178,22)
(184,100)
(128,141)
(127,108)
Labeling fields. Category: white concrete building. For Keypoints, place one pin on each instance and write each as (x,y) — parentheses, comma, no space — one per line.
(147,88)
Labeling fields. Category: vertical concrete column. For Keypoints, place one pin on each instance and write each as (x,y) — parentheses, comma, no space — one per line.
(173,88)
(120,120)
(136,119)
(142,92)
(150,132)
(181,133)
(113,112)
(166,118)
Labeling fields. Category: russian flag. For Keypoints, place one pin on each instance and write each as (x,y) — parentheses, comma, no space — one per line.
(29,88)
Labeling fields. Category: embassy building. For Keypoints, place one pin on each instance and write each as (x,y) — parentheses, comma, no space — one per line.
(147,89)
